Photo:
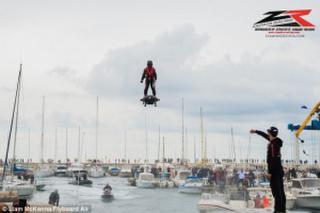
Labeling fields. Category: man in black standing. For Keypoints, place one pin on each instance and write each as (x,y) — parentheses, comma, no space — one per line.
(275,170)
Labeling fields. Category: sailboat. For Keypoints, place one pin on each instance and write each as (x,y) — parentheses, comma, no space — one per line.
(43,170)
(22,188)
(96,170)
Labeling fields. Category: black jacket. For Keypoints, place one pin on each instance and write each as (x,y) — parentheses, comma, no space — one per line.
(273,154)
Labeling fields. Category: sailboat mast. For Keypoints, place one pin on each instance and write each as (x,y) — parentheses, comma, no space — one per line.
(42,131)
(11,125)
(233,148)
(146,132)
(182,131)
(202,136)
(194,150)
(97,126)
(205,145)
(16,127)
(79,143)
(186,145)
(29,137)
(125,145)
(66,145)
(163,155)
(159,141)
(16,131)
(55,144)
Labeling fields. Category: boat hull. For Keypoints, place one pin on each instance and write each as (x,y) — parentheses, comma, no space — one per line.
(22,190)
(96,173)
(81,183)
(312,201)
(145,184)
(190,190)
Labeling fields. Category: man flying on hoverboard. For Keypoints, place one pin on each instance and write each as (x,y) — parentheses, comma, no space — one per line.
(150,76)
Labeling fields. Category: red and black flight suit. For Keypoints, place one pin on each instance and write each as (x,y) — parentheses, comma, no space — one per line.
(276,171)
(149,73)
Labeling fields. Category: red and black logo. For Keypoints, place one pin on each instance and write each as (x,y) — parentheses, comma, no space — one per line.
(285,22)
(286,18)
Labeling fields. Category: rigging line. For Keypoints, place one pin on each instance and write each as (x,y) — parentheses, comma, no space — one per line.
(249,148)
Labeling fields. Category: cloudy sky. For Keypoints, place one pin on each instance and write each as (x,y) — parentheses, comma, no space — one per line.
(204,51)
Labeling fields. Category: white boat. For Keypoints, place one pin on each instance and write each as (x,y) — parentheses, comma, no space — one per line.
(215,203)
(307,192)
(145,180)
(181,177)
(238,201)
(23,188)
(43,171)
(76,168)
(166,183)
(193,185)
(95,171)
(290,198)
(60,171)
(125,173)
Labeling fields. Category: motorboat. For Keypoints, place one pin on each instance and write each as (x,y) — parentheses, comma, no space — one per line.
(165,181)
(146,180)
(307,192)
(241,201)
(115,171)
(81,180)
(218,202)
(192,185)
(290,198)
(76,169)
(23,188)
(181,177)
(60,171)
(43,171)
(96,171)
(125,173)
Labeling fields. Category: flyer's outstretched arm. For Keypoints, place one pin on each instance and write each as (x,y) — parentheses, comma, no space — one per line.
(262,134)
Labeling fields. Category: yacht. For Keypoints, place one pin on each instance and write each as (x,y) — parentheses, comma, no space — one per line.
(192,185)
(307,192)
(43,171)
(125,173)
(95,171)
(23,188)
(114,171)
(60,171)
(76,169)
(181,177)
(146,180)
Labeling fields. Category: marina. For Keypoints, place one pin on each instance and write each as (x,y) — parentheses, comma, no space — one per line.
(167,106)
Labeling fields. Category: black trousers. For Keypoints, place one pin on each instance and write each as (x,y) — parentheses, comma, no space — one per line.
(150,82)
(276,184)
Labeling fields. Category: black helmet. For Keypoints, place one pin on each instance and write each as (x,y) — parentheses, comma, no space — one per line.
(273,131)
(149,63)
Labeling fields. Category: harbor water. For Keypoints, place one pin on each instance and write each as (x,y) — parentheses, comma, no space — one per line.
(127,199)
